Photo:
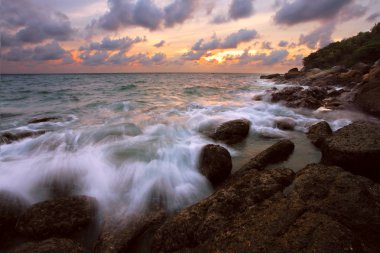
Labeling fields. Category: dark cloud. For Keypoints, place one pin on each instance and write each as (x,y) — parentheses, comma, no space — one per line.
(108,44)
(23,22)
(144,13)
(266,45)
(238,9)
(50,51)
(159,44)
(193,55)
(241,9)
(273,58)
(178,11)
(352,11)
(94,59)
(283,43)
(318,38)
(46,52)
(373,17)
(300,11)
(231,41)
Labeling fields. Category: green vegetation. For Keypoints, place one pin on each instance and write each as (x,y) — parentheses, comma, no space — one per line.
(364,47)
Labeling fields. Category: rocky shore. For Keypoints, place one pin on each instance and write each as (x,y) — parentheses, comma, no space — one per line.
(333,206)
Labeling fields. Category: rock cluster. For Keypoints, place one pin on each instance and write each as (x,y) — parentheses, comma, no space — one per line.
(232,132)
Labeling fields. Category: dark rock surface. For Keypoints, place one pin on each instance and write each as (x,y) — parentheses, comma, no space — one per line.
(118,236)
(8,137)
(215,163)
(285,123)
(368,97)
(326,209)
(355,147)
(53,245)
(43,119)
(292,73)
(58,218)
(11,208)
(319,132)
(270,76)
(278,152)
(232,132)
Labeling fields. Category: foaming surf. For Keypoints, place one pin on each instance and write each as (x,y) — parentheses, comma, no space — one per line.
(138,148)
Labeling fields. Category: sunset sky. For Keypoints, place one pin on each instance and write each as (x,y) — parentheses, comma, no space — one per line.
(253,36)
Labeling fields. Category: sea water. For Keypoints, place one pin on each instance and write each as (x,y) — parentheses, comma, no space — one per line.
(131,140)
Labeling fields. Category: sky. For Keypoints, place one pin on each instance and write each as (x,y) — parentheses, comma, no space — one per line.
(230,36)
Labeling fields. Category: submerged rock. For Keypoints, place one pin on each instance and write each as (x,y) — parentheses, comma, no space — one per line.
(215,163)
(270,76)
(58,218)
(232,132)
(121,235)
(326,209)
(319,132)
(8,137)
(355,147)
(53,245)
(11,208)
(43,119)
(278,152)
(285,123)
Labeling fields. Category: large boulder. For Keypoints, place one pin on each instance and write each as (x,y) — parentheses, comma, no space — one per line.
(278,152)
(319,132)
(215,163)
(293,73)
(120,235)
(11,208)
(355,147)
(271,76)
(325,209)
(285,123)
(368,97)
(232,132)
(58,218)
(53,245)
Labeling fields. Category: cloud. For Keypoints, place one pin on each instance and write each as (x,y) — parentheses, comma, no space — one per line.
(238,9)
(50,51)
(231,41)
(373,17)
(241,9)
(46,52)
(144,13)
(94,59)
(108,44)
(283,43)
(178,11)
(193,55)
(352,11)
(266,45)
(272,58)
(300,11)
(320,37)
(24,22)
(159,44)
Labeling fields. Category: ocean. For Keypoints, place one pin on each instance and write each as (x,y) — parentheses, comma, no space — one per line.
(131,140)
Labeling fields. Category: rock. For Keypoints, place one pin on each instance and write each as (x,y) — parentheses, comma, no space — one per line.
(278,152)
(215,163)
(319,132)
(8,137)
(270,76)
(376,64)
(351,76)
(58,218)
(53,245)
(285,123)
(298,97)
(361,68)
(325,209)
(285,94)
(374,74)
(338,69)
(121,235)
(355,147)
(232,132)
(292,73)
(214,216)
(42,120)
(368,98)
(11,208)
